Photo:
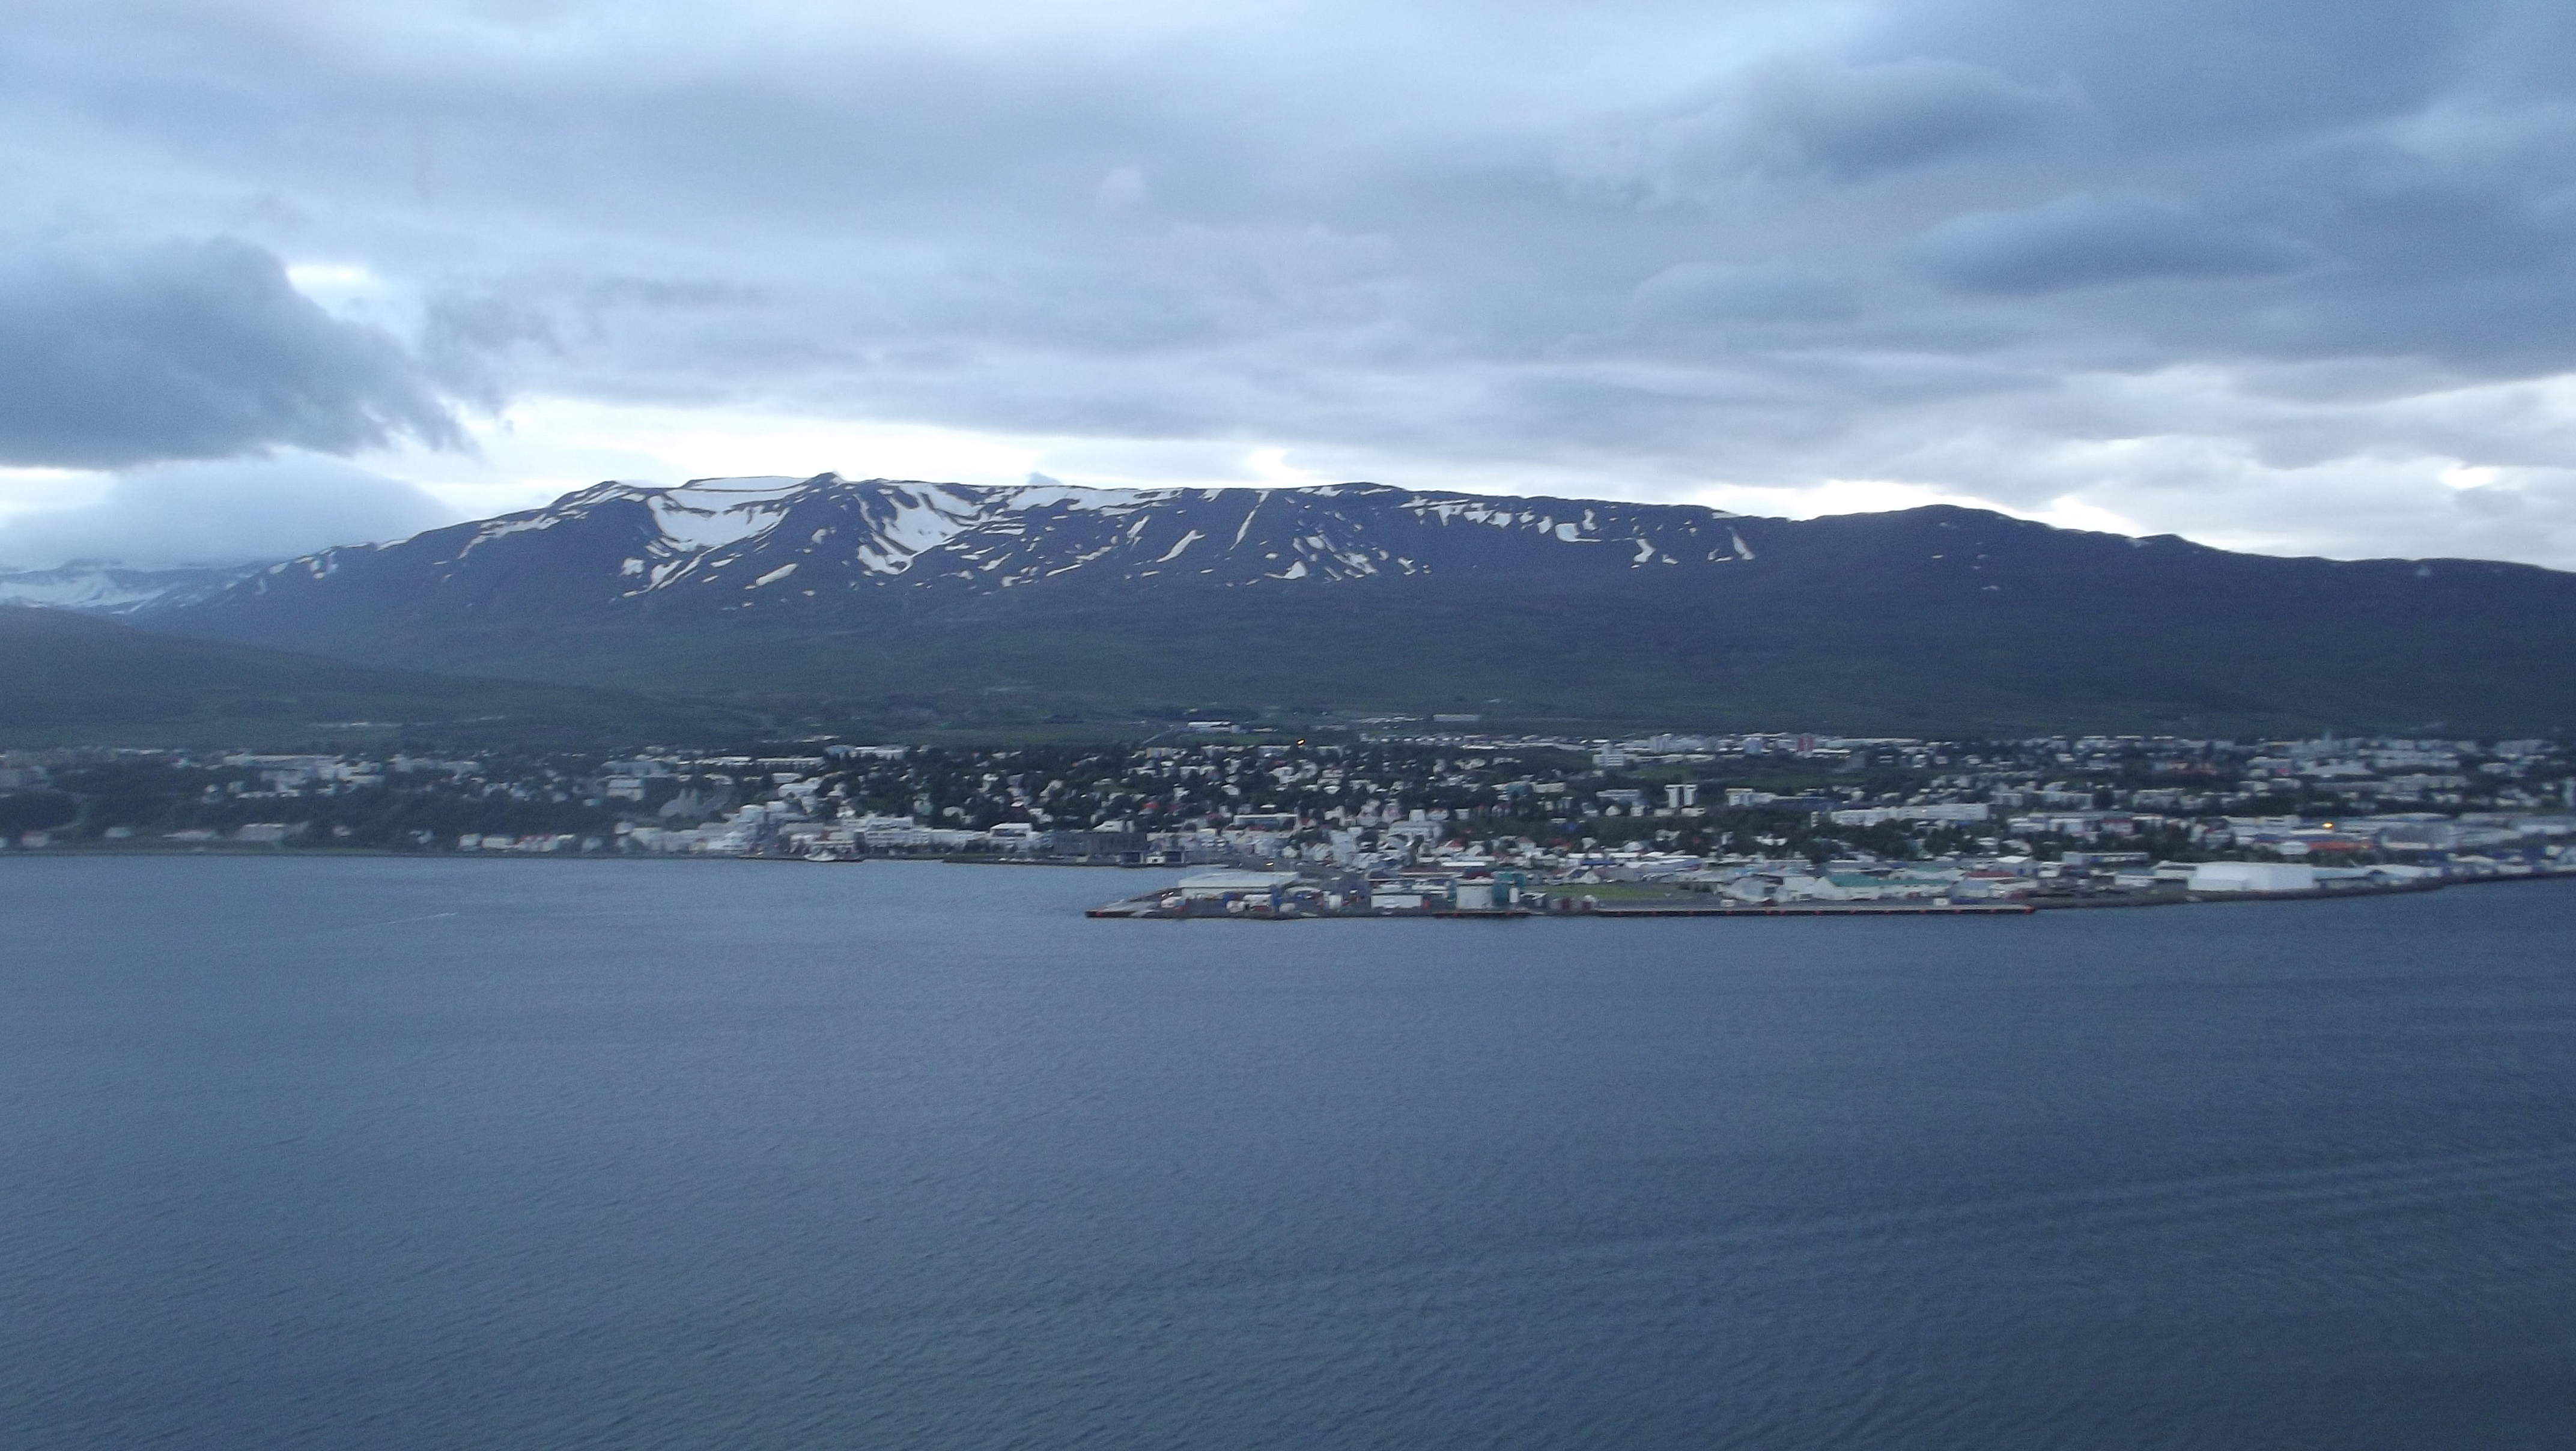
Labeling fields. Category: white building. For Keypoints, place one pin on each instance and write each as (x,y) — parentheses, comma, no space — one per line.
(2253,877)
(1211,886)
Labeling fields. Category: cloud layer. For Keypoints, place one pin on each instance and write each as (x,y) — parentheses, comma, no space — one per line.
(2082,240)
(220,514)
(2295,276)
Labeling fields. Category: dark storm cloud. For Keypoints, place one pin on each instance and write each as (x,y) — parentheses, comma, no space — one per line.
(2138,255)
(189,350)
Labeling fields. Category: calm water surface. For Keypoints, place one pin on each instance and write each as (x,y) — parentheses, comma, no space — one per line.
(389,1154)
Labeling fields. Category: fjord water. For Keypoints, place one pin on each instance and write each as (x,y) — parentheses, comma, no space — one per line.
(376,1153)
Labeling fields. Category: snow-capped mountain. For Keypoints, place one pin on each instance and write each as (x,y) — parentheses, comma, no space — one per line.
(833,590)
(738,543)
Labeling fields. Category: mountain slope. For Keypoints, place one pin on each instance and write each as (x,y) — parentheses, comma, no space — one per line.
(828,546)
(863,597)
(67,679)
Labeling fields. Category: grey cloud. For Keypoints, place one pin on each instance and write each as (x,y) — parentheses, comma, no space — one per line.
(466,338)
(1689,293)
(1813,117)
(2189,73)
(2083,240)
(1854,121)
(1407,239)
(232,512)
(190,350)
(1123,187)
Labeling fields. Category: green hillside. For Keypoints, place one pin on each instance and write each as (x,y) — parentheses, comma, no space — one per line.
(1922,622)
(73,680)
(1864,662)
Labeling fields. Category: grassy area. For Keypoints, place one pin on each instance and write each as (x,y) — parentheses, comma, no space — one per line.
(72,680)
(1987,666)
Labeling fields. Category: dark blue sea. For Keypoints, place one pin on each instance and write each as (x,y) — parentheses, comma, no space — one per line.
(381,1154)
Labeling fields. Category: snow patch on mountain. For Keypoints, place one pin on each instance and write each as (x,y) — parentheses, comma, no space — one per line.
(917,519)
(711,513)
(885,526)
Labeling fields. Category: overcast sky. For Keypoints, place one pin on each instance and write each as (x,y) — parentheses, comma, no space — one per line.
(2291,276)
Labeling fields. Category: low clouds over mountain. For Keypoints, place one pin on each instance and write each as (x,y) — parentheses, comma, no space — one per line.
(233,512)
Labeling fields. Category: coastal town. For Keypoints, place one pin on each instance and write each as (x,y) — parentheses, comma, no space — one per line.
(1415,817)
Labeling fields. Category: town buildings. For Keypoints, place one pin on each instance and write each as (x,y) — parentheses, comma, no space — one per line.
(1768,817)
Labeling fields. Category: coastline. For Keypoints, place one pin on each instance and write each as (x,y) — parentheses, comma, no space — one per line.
(1170,906)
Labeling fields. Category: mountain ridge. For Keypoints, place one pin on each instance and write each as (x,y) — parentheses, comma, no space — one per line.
(864,596)
(754,533)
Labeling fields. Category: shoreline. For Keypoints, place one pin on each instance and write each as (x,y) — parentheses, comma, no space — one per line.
(1146,906)
(1150,906)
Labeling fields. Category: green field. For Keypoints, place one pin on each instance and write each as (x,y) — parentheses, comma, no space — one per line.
(1992,669)
(71,680)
